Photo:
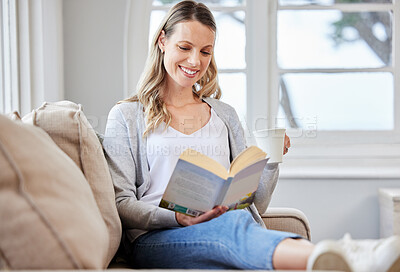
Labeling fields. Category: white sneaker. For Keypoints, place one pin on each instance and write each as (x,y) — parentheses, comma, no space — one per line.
(328,255)
(357,255)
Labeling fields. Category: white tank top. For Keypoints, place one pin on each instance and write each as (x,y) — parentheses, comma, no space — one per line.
(165,146)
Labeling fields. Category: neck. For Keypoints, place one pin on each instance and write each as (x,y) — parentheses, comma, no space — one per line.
(179,97)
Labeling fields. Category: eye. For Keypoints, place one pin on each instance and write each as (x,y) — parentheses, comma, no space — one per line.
(206,53)
(183,48)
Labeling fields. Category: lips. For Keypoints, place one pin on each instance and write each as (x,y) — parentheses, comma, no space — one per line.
(188,72)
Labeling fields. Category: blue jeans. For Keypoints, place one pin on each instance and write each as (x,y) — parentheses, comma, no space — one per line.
(231,241)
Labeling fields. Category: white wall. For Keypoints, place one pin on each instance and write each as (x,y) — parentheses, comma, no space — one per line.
(93,55)
(93,76)
(335,206)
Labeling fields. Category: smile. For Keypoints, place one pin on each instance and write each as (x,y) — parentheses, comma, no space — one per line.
(188,71)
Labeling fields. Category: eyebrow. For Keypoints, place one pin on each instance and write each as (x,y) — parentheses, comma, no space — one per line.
(184,41)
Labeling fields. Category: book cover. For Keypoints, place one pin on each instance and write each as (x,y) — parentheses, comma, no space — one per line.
(198,183)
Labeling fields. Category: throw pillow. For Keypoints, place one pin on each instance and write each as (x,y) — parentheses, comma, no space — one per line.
(49,218)
(68,126)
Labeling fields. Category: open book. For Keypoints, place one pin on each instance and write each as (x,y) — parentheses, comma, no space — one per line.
(199,183)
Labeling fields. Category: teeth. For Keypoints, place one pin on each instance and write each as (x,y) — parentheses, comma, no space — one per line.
(188,71)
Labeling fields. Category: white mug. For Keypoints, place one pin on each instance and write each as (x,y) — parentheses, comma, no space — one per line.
(271,141)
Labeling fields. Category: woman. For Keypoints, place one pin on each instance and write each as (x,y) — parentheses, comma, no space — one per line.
(177,106)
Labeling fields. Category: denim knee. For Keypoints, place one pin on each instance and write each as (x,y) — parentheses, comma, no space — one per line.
(232,241)
(238,216)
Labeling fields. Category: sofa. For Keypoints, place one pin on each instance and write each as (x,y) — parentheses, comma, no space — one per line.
(57,206)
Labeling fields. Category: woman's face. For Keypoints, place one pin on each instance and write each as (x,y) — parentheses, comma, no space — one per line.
(187,53)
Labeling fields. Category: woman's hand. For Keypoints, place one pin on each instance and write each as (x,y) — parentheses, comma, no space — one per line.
(186,220)
(286,145)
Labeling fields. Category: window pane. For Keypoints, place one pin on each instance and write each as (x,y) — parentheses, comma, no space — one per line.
(350,101)
(3,21)
(328,2)
(231,37)
(233,88)
(334,39)
(231,40)
(227,3)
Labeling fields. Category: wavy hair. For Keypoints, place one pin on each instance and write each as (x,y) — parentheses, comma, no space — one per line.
(154,73)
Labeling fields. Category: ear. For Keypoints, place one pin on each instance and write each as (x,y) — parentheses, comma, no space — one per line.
(161,41)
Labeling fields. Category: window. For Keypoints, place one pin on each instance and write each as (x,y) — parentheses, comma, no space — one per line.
(9,99)
(31,55)
(336,73)
(335,64)
(336,68)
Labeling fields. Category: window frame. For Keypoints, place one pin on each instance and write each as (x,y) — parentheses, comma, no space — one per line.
(33,67)
(2,99)
(320,154)
(9,57)
(369,136)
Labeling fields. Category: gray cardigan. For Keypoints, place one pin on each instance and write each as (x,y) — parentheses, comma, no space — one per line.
(125,150)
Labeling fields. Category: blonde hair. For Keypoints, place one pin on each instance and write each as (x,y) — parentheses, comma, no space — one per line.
(154,74)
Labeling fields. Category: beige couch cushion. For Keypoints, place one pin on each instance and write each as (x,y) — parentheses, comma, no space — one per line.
(49,218)
(67,125)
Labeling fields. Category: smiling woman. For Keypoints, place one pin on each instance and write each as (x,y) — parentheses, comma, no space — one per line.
(179,90)
(177,97)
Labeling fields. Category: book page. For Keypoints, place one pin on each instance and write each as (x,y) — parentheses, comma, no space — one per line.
(245,158)
(243,186)
(192,189)
(205,162)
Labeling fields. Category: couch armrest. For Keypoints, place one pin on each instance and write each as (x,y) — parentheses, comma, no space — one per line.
(287,219)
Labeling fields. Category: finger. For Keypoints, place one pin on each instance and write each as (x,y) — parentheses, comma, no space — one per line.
(211,214)
(206,216)
(286,145)
(221,210)
(181,219)
(285,150)
(287,141)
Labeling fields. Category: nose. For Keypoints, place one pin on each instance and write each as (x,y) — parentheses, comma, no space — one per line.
(194,58)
